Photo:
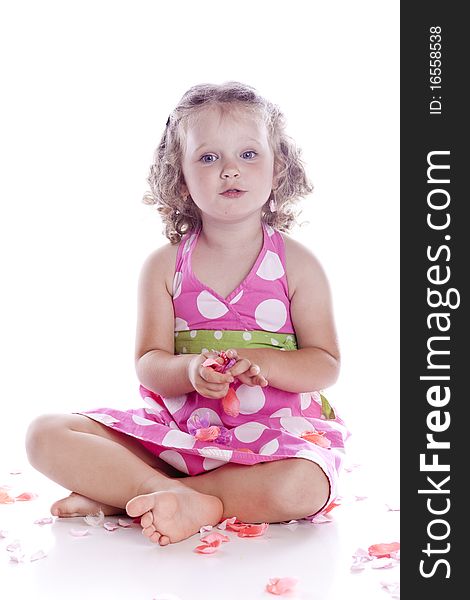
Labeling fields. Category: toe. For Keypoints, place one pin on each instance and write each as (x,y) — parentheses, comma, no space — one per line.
(140,505)
(146,519)
(155,537)
(164,540)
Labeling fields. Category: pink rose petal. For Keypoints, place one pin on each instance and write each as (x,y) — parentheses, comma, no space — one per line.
(43,521)
(123,523)
(281,585)
(25,496)
(383,550)
(3,533)
(14,546)
(383,563)
(321,519)
(210,538)
(110,526)
(37,555)
(79,532)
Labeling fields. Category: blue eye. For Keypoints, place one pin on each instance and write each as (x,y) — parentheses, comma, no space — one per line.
(208,158)
(249,154)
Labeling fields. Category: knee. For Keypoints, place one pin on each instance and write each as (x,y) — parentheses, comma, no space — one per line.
(40,436)
(304,490)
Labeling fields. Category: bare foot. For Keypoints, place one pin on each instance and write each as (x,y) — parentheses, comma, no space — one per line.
(76,505)
(172,516)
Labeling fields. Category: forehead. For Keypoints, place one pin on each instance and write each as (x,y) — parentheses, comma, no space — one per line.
(217,120)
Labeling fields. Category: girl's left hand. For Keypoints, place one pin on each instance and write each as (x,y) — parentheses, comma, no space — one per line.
(246,371)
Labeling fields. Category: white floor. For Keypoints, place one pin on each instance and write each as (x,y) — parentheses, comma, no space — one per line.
(122,564)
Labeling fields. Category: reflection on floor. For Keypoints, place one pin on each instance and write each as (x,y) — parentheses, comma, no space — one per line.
(122,564)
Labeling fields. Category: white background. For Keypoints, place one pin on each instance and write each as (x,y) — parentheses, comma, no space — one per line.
(87,88)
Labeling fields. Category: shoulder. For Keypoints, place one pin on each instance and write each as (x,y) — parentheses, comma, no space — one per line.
(159,266)
(301,265)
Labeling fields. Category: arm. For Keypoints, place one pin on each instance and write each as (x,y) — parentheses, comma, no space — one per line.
(315,365)
(158,369)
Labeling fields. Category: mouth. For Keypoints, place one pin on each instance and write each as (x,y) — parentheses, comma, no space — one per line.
(233,193)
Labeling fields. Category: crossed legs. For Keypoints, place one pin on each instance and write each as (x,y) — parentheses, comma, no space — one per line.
(109,470)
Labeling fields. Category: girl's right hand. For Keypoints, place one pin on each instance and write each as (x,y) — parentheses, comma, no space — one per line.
(207,381)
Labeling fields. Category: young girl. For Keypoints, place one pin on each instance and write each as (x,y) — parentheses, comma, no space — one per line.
(235,340)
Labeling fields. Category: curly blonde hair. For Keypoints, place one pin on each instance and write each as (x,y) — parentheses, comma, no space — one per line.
(180,214)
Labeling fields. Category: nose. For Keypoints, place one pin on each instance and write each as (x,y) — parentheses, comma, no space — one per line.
(230,170)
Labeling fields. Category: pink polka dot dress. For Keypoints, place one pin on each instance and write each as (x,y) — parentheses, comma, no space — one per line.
(195,434)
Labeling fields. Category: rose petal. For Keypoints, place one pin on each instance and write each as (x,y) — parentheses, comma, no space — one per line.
(208,434)
(110,526)
(5,497)
(215,538)
(43,521)
(206,549)
(223,524)
(25,496)
(95,520)
(37,555)
(281,585)
(231,403)
(253,530)
(331,506)
(383,550)
(79,532)
(316,437)
(318,519)
(3,533)
(383,563)
(123,523)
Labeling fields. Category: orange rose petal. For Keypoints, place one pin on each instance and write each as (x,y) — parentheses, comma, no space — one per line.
(5,497)
(26,496)
(281,585)
(236,525)
(253,530)
(331,506)
(215,537)
(231,403)
(316,437)
(208,434)
(206,549)
(383,550)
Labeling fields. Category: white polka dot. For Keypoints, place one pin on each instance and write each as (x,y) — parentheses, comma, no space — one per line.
(270,230)
(214,418)
(210,463)
(178,439)
(305,400)
(175,403)
(103,418)
(188,243)
(270,448)
(181,324)
(204,350)
(217,453)
(218,335)
(193,333)
(274,342)
(249,432)
(177,284)
(174,459)
(271,267)
(156,408)
(142,421)
(209,306)
(282,412)
(296,425)
(152,411)
(271,314)
(237,298)
(252,399)
(247,336)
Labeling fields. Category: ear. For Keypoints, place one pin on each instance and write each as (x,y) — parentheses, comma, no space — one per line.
(184,190)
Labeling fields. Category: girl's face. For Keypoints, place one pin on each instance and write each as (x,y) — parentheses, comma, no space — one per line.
(228,163)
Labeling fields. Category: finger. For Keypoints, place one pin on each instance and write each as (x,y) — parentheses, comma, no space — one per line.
(232,353)
(260,380)
(254,370)
(246,379)
(241,366)
(212,376)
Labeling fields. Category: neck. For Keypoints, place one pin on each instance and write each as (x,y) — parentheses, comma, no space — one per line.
(231,237)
